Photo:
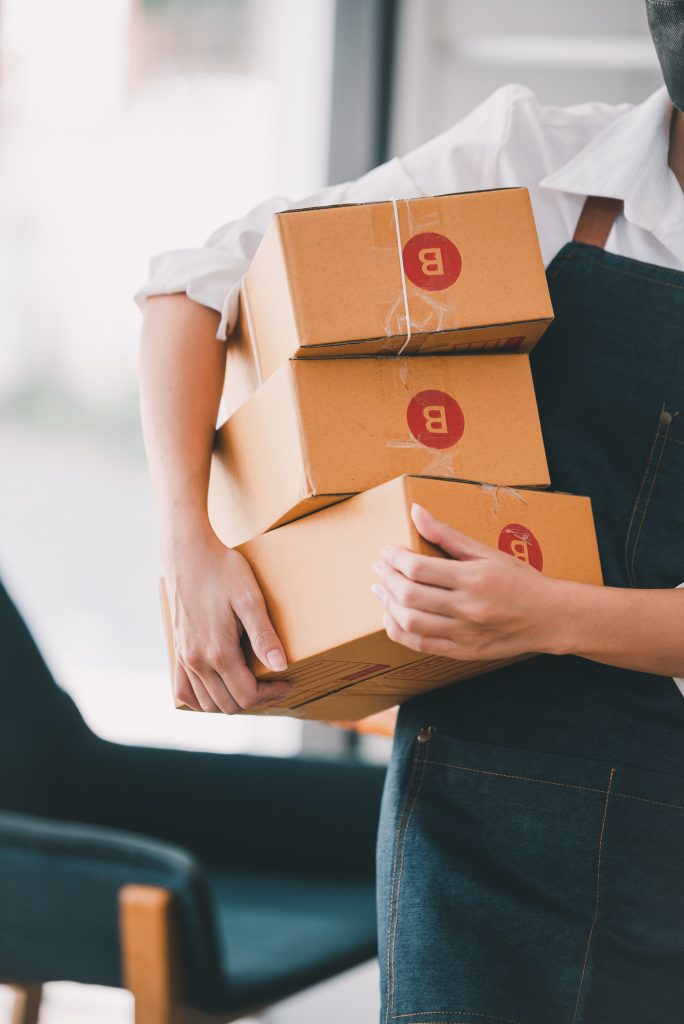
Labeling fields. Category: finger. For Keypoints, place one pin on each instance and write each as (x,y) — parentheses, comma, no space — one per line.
(206,703)
(437,600)
(432,570)
(219,692)
(412,620)
(458,545)
(250,692)
(251,612)
(182,689)
(241,683)
(426,645)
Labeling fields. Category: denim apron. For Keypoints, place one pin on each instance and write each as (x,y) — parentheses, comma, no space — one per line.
(531,846)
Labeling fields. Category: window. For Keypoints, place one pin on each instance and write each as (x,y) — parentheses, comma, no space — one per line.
(127,128)
(452,54)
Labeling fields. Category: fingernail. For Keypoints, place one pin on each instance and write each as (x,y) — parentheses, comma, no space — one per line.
(386,551)
(379,592)
(276,660)
(415,507)
(386,620)
(376,567)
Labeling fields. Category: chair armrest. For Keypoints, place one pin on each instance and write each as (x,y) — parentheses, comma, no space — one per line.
(59,888)
(300,813)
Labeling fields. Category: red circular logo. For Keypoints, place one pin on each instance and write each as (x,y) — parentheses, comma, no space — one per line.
(520,542)
(431,261)
(435,419)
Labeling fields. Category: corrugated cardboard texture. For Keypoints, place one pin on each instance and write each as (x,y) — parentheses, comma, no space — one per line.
(318,431)
(315,575)
(329,279)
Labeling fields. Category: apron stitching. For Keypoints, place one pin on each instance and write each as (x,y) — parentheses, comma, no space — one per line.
(645,800)
(675,440)
(636,502)
(596,903)
(455,1013)
(401,871)
(644,277)
(552,782)
(397,835)
(546,782)
(648,501)
(561,266)
(521,778)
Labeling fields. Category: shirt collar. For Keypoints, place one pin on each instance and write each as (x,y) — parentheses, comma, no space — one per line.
(628,160)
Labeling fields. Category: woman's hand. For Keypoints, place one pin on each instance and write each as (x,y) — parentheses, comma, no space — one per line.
(479,604)
(214,599)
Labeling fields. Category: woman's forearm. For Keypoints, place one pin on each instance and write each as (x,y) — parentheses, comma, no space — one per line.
(213,594)
(182,368)
(482,604)
(635,629)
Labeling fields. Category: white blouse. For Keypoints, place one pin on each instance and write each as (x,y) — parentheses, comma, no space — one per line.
(561,154)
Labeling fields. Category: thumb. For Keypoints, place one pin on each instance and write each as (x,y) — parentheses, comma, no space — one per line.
(262,636)
(458,545)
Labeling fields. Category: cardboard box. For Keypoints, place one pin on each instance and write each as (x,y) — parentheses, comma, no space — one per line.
(241,377)
(382,723)
(315,575)
(339,280)
(320,430)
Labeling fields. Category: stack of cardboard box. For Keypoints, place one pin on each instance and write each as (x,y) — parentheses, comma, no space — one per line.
(354,390)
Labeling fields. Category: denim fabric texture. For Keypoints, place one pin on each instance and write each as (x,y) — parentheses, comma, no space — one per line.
(666,21)
(531,846)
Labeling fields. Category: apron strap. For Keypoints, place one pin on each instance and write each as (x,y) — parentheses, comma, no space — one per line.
(596,219)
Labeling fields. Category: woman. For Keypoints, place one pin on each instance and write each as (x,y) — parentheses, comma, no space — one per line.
(531,844)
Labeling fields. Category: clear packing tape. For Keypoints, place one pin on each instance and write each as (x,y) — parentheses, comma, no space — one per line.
(495,490)
(444,463)
(407,314)
(414,312)
(400,320)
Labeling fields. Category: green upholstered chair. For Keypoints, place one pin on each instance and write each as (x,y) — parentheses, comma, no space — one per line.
(209,885)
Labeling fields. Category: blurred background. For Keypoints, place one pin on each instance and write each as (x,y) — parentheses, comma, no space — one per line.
(128,127)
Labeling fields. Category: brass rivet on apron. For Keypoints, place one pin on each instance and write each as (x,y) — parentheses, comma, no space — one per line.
(665,418)
(424,734)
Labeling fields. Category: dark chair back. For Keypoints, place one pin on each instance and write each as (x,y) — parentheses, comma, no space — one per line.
(42,734)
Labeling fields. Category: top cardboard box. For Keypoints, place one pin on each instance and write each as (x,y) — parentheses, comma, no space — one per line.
(340,280)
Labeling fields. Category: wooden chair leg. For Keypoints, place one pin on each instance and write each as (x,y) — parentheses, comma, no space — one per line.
(152,969)
(148,956)
(27,999)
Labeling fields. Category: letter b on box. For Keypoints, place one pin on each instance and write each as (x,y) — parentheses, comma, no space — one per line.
(519,541)
(431,261)
(435,419)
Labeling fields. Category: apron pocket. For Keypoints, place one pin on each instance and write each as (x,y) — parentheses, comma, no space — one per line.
(635,968)
(653,552)
(515,890)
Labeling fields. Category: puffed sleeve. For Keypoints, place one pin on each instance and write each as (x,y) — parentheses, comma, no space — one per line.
(462,158)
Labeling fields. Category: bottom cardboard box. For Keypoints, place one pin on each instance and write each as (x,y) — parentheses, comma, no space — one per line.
(315,575)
